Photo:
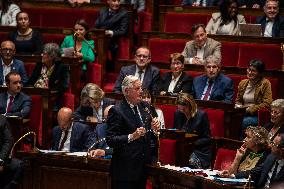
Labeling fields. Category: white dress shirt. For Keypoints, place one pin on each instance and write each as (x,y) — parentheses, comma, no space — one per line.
(66,146)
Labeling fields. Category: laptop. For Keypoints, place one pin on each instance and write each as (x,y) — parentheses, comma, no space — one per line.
(251,30)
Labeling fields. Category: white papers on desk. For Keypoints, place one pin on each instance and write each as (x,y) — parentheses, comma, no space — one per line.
(68,52)
(79,154)
(231,180)
(51,151)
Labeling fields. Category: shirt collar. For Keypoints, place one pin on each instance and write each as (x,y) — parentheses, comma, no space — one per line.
(137,69)
(3,64)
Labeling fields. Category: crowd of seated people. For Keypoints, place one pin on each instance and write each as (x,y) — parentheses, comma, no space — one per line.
(28,41)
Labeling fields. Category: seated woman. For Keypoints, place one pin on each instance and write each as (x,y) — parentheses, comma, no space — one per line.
(27,40)
(252,153)
(177,80)
(83,46)
(8,11)
(226,22)
(194,121)
(276,124)
(156,112)
(254,93)
(51,73)
(92,104)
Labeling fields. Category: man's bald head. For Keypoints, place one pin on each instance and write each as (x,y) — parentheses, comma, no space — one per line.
(64,118)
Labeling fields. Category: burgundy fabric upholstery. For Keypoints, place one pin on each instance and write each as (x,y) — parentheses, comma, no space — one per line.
(270,54)
(36,117)
(194,73)
(53,38)
(216,119)
(124,46)
(182,22)
(252,19)
(29,67)
(3,36)
(94,72)
(263,116)
(109,81)
(68,100)
(162,48)
(224,158)
(168,111)
(236,79)
(167,151)
(145,21)
(230,53)
(274,87)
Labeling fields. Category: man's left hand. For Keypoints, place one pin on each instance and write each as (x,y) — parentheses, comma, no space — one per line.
(97,152)
(155,125)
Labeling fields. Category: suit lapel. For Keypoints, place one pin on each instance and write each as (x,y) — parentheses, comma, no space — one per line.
(147,75)
(128,113)
(179,82)
(215,86)
(1,73)
(73,135)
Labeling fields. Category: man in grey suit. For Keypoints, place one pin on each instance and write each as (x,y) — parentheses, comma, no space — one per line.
(198,49)
(14,102)
(149,75)
(9,63)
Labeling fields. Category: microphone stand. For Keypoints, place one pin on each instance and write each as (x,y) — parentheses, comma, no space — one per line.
(76,34)
(22,137)
(91,147)
(248,184)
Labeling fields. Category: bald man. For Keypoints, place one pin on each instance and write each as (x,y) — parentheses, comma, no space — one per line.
(71,136)
(9,63)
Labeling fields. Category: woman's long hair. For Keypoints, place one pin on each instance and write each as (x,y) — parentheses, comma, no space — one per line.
(5,5)
(225,15)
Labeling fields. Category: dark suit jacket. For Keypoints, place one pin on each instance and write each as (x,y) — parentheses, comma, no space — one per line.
(208,2)
(200,126)
(150,81)
(21,106)
(80,140)
(222,90)
(118,23)
(82,113)
(129,159)
(184,83)
(259,174)
(17,66)
(277,28)
(58,80)
(269,126)
(6,139)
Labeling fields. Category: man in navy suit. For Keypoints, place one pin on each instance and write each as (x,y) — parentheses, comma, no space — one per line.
(213,85)
(131,132)
(71,136)
(271,171)
(115,21)
(9,63)
(14,102)
(149,75)
(272,23)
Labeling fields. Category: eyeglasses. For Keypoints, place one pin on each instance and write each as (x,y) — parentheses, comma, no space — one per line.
(142,56)
(6,50)
(272,144)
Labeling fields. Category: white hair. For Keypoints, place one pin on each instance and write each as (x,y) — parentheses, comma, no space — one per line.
(278,103)
(128,83)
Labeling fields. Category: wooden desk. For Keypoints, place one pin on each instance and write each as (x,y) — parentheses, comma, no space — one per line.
(50,171)
(18,125)
(169,179)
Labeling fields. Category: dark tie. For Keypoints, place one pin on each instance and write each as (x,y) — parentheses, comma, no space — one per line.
(110,14)
(206,95)
(137,117)
(9,107)
(273,176)
(63,140)
(140,72)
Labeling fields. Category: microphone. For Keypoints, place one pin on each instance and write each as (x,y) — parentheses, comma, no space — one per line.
(22,137)
(92,146)
(77,34)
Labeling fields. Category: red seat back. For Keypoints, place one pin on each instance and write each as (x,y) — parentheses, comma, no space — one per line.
(224,158)
(94,72)
(216,120)
(168,111)
(236,79)
(230,53)
(36,117)
(29,67)
(167,151)
(270,54)
(274,87)
(182,22)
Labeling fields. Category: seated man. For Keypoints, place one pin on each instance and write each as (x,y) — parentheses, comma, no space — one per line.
(200,3)
(11,170)
(271,171)
(213,85)
(93,104)
(198,49)
(272,23)
(115,21)
(9,63)
(14,102)
(148,75)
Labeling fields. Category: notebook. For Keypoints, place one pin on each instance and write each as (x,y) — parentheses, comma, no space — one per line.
(251,29)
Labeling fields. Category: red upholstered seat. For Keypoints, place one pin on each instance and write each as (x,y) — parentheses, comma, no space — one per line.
(167,151)
(29,67)
(53,38)
(145,21)
(182,22)
(216,119)
(36,117)
(224,158)
(109,81)
(168,111)
(162,48)
(270,54)
(3,36)
(94,72)
(236,79)
(124,46)
(194,73)
(230,53)
(274,87)
(263,116)
(68,100)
